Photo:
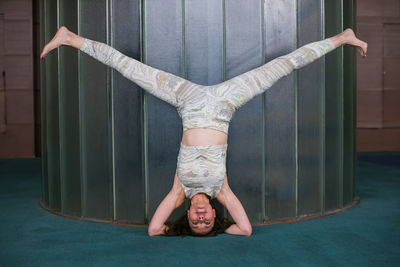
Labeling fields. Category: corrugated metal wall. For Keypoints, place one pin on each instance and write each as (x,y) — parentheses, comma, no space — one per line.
(110,149)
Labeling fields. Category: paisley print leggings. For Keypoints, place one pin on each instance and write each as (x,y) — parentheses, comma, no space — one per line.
(178,91)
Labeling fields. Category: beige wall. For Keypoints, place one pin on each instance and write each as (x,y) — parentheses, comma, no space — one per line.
(16,88)
(378,76)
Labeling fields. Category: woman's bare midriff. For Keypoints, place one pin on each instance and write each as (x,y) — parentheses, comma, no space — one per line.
(204,137)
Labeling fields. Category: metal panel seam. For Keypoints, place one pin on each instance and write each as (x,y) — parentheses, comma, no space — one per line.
(225,212)
(263,174)
(223,41)
(341,130)
(82,124)
(145,162)
(296,89)
(110,85)
(354,96)
(60,133)
(183,51)
(323,114)
(42,91)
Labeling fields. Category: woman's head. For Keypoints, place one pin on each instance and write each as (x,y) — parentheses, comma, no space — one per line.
(201,219)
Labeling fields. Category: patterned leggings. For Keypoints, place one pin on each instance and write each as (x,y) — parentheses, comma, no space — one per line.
(178,91)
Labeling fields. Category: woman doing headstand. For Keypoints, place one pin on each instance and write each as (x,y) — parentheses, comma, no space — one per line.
(206,112)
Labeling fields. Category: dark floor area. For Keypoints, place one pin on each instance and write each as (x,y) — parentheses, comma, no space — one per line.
(365,235)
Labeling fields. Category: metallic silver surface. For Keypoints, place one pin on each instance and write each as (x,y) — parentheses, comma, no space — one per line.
(94,84)
(310,116)
(52,112)
(70,164)
(111,155)
(280,141)
(128,108)
(163,46)
(334,108)
(243,53)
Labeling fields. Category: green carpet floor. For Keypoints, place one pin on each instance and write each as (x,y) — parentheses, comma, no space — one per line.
(365,235)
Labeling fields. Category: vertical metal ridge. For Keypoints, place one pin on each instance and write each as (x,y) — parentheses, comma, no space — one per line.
(296,91)
(186,204)
(354,99)
(46,39)
(183,33)
(223,41)
(341,109)
(82,124)
(110,85)
(263,190)
(60,133)
(42,6)
(145,153)
(350,138)
(225,212)
(323,114)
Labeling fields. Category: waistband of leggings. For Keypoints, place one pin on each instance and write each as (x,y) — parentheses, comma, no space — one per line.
(205,146)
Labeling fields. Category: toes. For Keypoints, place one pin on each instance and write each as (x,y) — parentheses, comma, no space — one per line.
(364,53)
(44,51)
(365,48)
(42,54)
(360,51)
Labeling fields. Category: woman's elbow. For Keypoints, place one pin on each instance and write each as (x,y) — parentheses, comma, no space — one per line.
(248,231)
(152,232)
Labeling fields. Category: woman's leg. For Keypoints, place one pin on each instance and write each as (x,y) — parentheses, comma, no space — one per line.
(244,87)
(159,83)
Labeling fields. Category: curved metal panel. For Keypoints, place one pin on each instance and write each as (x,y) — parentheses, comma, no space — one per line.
(204,41)
(204,45)
(244,46)
(163,50)
(52,110)
(115,147)
(69,116)
(129,180)
(280,119)
(333,111)
(310,113)
(94,85)
(349,110)
(43,117)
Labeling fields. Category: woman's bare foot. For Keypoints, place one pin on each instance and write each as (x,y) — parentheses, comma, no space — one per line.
(351,39)
(348,37)
(62,37)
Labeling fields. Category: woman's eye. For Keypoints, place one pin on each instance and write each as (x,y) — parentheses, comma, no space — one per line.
(208,223)
(195,223)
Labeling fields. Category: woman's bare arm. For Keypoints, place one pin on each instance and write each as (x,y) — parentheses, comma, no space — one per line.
(172,200)
(227,198)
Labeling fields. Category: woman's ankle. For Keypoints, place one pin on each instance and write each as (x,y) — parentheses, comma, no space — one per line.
(74,40)
(338,40)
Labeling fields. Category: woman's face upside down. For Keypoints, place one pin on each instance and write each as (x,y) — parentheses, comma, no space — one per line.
(201,218)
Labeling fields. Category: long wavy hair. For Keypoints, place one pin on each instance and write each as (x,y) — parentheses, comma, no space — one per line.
(181,226)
